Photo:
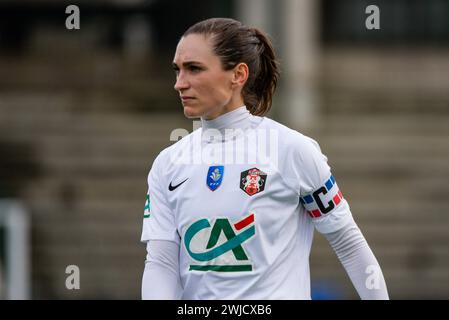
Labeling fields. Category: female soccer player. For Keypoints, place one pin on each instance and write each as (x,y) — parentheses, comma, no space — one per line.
(224,220)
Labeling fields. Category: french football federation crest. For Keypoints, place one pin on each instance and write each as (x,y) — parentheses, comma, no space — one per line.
(214,177)
(252,181)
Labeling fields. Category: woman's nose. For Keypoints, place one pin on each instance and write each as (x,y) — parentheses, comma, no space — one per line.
(181,83)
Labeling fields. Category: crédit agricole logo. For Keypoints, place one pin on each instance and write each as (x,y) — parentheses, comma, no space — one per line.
(219,247)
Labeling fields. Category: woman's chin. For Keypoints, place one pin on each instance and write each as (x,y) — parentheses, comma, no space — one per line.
(190,112)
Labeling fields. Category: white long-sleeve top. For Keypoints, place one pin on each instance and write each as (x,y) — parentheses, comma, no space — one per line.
(231,210)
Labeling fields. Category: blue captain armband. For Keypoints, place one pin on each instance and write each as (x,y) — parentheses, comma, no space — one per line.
(323,200)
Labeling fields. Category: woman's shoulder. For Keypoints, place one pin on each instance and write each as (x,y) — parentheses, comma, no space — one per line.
(287,136)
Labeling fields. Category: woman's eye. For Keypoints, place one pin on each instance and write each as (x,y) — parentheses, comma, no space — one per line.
(194,68)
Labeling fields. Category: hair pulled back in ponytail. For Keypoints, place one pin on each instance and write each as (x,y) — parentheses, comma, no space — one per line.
(234,43)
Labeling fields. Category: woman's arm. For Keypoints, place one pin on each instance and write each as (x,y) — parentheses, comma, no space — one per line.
(161,280)
(359,262)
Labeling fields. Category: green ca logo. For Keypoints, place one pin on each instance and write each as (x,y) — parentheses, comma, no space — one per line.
(224,257)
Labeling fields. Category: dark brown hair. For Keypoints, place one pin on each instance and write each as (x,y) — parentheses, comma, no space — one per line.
(235,43)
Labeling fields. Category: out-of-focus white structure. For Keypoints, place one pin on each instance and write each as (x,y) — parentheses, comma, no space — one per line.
(15,264)
(293,23)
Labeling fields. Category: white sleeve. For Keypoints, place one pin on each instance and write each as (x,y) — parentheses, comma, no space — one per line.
(161,280)
(359,262)
(159,222)
(319,192)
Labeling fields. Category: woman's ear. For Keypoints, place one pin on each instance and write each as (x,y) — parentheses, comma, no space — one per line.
(240,76)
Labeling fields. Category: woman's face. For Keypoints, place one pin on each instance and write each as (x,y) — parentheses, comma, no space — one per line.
(206,90)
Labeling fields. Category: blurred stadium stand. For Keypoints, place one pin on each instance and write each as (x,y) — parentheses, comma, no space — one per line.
(84,113)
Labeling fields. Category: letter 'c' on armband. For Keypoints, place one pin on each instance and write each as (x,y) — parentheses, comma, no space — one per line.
(323,200)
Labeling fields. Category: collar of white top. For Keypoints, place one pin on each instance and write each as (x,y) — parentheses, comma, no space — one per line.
(239,118)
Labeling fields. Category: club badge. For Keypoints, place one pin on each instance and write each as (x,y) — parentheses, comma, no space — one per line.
(252,181)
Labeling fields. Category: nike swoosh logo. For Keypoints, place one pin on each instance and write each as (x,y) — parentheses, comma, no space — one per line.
(171,188)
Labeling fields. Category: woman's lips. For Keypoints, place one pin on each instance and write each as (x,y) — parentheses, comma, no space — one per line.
(186,98)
